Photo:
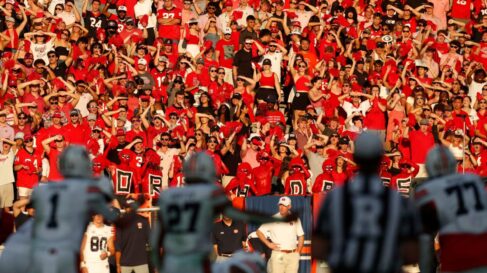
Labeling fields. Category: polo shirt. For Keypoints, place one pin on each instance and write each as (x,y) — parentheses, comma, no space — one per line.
(228,238)
(283,234)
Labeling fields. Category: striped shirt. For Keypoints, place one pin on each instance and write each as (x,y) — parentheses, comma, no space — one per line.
(364,223)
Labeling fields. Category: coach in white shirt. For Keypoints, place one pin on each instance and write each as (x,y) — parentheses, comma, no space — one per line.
(287,241)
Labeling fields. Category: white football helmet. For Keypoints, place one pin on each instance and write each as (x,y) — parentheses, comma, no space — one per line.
(440,162)
(248,262)
(74,162)
(199,168)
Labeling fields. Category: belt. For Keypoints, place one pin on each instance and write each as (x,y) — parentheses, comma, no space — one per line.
(226,255)
(287,251)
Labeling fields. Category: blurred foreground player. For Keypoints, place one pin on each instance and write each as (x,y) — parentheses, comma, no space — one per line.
(62,212)
(364,227)
(186,218)
(454,206)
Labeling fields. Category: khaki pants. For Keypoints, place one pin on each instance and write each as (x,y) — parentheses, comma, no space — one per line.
(281,262)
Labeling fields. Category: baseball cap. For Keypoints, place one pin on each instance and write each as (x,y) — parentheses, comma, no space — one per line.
(168,42)
(163,59)
(192,21)
(57,115)
(227,30)
(129,20)
(266,62)
(343,140)
(200,61)
(120,132)
(12,2)
(73,112)
(122,8)
(142,61)
(19,135)
(285,201)
(296,32)
(229,3)
(10,19)
(424,122)
(249,41)
(237,96)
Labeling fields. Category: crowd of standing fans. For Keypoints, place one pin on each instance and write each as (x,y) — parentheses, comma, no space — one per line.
(275,91)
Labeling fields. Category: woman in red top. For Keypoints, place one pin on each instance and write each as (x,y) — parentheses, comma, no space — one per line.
(268,82)
(191,35)
(302,85)
(341,171)
(13,33)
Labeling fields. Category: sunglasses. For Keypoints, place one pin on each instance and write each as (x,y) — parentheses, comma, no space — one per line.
(54,101)
(406,31)
(248,43)
(302,66)
(29,140)
(165,139)
(174,117)
(212,141)
(51,56)
(221,73)
(59,140)
(136,120)
(212,70)
(198,134)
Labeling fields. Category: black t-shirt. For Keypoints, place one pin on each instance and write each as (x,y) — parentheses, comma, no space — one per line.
(245,34)
(390,21)
(243,62)
(228,238)
(112,155)
(93,23)
(132,240)
(232,160)
(60,69)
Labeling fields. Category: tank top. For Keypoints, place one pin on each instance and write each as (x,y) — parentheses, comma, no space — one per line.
(14,38)
(267,81)
(302,84)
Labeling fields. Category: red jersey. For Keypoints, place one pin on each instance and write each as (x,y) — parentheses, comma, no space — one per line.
(78,134)
(243,187)
(169,32)
(460,9)
(177,181)
(323,183)
(28,177)
(125,180)
(296,184)
(152,182)
(263,178)
(220,93)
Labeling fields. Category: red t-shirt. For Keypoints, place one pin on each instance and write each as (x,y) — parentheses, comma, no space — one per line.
(54,174)
(420,145)
(227,51)
(169,32)
(28,178)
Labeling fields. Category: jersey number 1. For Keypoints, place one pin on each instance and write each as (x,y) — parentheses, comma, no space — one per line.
(52,219)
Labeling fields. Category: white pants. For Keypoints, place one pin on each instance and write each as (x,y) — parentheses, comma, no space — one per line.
(281,262)
(98,267)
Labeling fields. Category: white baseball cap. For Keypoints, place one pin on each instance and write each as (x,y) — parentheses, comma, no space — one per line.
(285,201)
(142,61)
(227,30)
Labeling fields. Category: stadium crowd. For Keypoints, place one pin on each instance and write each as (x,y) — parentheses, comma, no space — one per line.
(274,91)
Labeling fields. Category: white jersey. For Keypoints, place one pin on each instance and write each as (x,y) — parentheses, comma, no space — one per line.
(62,211)
(188,214)
(96,242)
(458,205)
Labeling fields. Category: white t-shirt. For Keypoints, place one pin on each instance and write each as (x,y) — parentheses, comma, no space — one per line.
(39,51)
(283,234)
(7,168)
(145,8)
(350,108)
(167,159)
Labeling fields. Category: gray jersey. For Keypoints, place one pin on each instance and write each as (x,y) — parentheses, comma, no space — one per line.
(16,255)
(62,211)
(188,214)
